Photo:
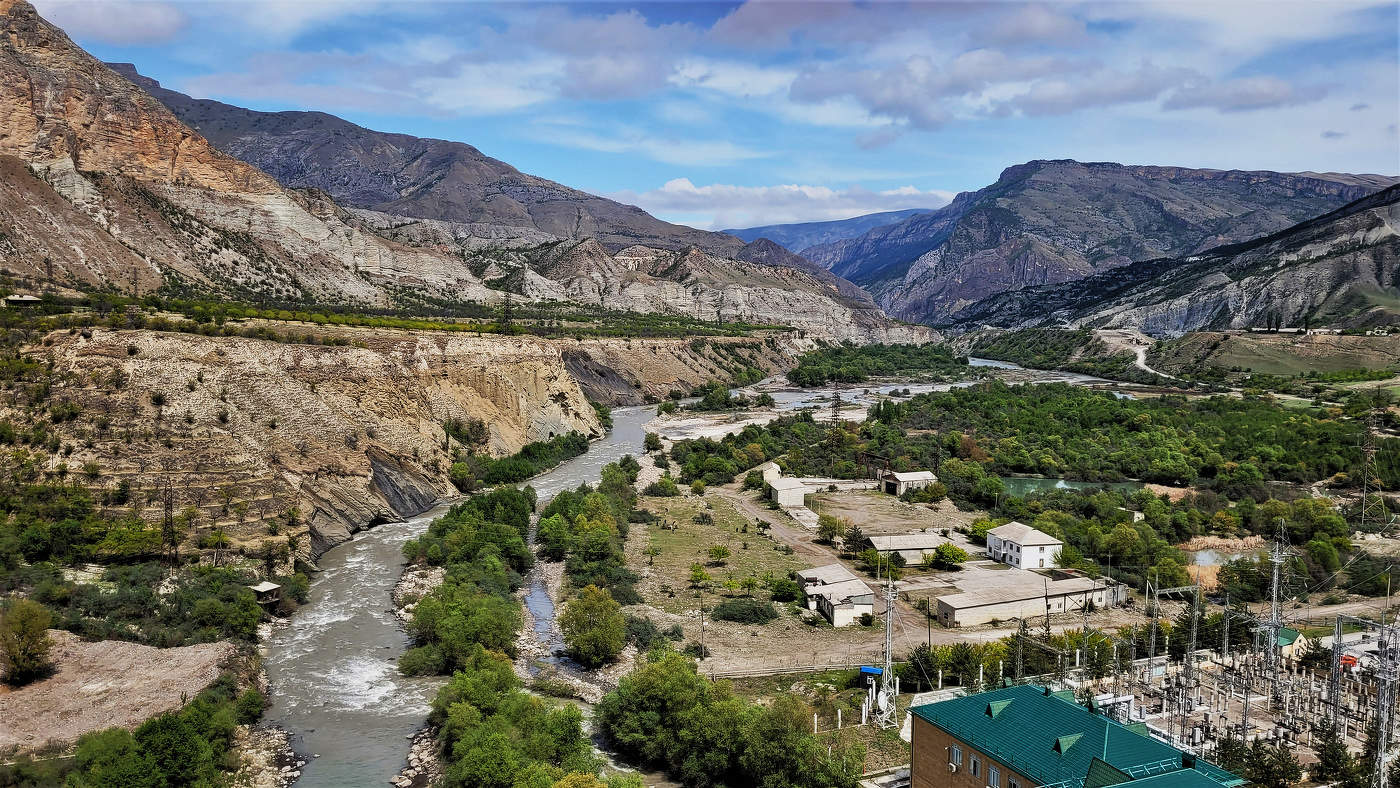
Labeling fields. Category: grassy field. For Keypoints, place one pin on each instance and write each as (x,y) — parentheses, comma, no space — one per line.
(1281,354)
(752,554)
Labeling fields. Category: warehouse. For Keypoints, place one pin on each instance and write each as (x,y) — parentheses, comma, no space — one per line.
(911,546)
(786,491)
(1027,601)
(899,483)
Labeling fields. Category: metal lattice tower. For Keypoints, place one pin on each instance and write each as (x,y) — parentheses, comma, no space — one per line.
(1385,688)
(885,702)
(1275,622)
(1371,511)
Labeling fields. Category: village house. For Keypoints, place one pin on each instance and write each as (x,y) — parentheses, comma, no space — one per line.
(844,602)
(1026,736)
(1023,547)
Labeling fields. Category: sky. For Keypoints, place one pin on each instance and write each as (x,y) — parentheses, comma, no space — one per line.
(736,114)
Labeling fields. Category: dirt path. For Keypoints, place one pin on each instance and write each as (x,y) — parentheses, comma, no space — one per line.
(783,528)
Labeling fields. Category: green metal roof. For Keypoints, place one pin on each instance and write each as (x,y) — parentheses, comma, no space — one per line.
(1286,636)
(1052,739)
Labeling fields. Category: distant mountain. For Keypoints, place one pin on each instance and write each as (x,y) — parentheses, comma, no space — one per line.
(409,176)
(1339,269)
(796,237)
(1046,222)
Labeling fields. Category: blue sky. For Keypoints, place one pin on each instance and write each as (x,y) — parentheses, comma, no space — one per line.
(736,114)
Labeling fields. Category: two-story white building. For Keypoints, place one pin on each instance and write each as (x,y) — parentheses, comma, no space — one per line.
(1022,546)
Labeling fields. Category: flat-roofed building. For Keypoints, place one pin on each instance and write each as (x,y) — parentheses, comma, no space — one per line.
(843,602)
(1022,546)
(911,546)
(1027,600)
(1026,736)
(787,491)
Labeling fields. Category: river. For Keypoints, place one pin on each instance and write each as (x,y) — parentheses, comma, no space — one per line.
(333,673)
(333,669)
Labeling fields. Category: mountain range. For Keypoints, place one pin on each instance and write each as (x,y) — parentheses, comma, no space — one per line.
(1046,222)
(106,188)
(803,235)
(1339,269)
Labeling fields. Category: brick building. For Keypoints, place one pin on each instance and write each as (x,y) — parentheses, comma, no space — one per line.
(1026,737)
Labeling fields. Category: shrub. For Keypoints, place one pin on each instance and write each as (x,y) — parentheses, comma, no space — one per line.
(665,487)
(698,487)
(652,442)
(744,611)
(250,706)
(783,589)
(25,642)
(422,661)
(593,627)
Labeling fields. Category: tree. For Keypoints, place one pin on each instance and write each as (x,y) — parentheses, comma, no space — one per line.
(1272,767)
(718,554)
(176,749)
(1335,762)
(699,578)
(25,642)
(594,627)
(830,528)
(948,556)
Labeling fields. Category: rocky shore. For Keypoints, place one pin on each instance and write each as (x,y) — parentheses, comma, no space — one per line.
(425,765)
(266,758)
(415,583)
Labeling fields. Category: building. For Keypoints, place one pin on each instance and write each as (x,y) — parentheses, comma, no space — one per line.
(843,602)
(770,471)
(1022,546)
(786,491)
(811,579)
(1291,643)
(1027,736)
(899,483)
(1027,601)
(268,594)
(22,300)
(911,546)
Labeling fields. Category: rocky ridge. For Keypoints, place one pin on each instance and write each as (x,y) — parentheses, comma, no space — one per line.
(1046,222)
(1342,268)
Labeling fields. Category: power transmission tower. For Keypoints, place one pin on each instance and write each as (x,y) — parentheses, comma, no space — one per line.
(1385,688)
(1371,511)
(1275,623)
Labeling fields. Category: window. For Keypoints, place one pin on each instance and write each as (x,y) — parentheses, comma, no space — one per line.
(1011,783)
(956,757)
(993,777)
(976,766)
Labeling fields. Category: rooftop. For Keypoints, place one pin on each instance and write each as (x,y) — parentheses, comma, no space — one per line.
(912,476)
(1052,740)
(264,587)
(1022,534)
(840,592)
(787,483)
(926,540)
(831,573)
(994,596)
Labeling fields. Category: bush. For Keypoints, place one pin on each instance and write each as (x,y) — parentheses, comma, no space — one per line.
(697,487)
(652,442)
(744,611)
(783,589)
(665,487)
(250,706)
(422,661)
(594,627)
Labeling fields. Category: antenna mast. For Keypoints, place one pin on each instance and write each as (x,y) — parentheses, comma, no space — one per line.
(885,703)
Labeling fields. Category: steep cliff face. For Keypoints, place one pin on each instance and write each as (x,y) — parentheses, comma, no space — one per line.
(190,215)
(1342,268)
(1054,221)
(349,435)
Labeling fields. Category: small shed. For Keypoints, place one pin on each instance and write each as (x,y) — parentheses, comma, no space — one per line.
(18,300)
(901,482)
(786,491)
(268,594)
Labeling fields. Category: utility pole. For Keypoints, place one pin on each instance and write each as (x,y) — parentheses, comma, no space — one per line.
(1275,622)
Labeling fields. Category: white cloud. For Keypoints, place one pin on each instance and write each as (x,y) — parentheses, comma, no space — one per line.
(123,22)
(491,88)
(742,80)
(726,205)
(1241,95)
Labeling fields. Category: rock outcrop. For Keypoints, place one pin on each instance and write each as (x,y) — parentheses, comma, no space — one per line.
(349,436)
(189,215)
(1046,222)
(1339,269)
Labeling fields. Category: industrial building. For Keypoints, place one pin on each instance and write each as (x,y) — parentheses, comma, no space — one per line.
(1027,736)
(1022,546)
(786,491)
(911,546)
(1027,600)
(899,483)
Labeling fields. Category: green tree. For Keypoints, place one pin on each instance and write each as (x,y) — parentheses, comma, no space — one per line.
(718,554)
(176,749)
(1335,762)
(1272,767)
(24,641)
(594,628)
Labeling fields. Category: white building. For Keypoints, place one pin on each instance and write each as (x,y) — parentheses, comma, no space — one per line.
(1022,546)
(899,483)
(787,491)
(845,602)
(1027,601)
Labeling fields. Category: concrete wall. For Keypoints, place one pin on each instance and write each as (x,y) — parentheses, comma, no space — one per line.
(793,497)
(930,752)
(1030,607)
(842,615)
